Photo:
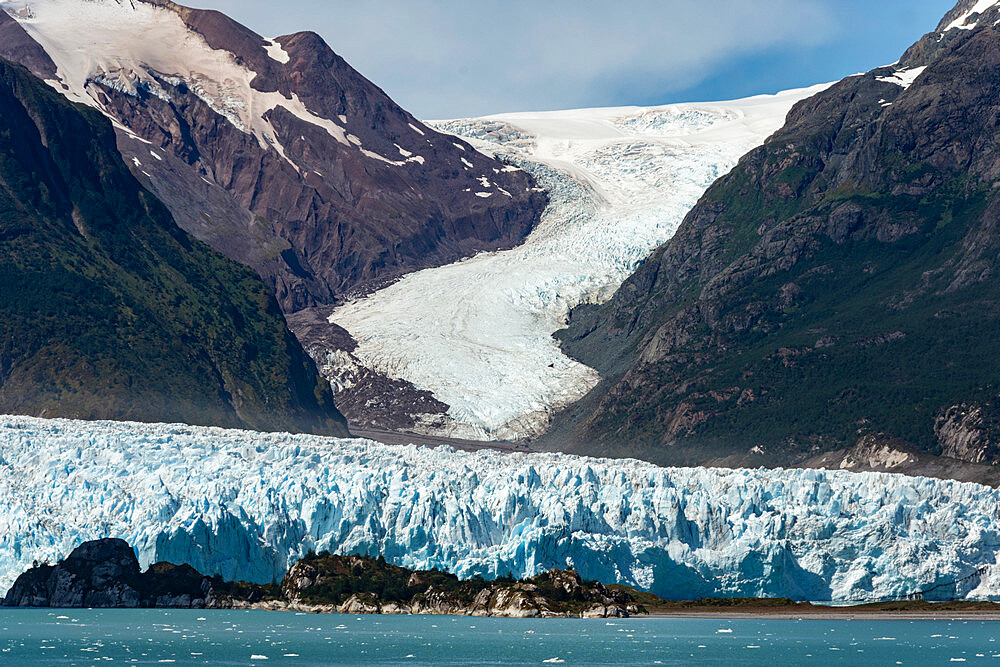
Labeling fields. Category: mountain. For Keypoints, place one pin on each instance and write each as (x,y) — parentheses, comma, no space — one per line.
(109,310)
(837,290)
(247,506)
(275,152)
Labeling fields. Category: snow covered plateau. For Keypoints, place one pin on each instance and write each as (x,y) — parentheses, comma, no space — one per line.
(478,333)
(246,505)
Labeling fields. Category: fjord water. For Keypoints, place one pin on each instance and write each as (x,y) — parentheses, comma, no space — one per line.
(67,637)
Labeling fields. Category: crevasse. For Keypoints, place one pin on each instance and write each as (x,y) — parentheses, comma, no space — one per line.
(245,505)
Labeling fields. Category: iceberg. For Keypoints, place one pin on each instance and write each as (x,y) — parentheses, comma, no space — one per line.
(246,505)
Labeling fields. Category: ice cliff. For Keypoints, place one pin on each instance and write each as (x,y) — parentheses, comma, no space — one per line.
(246,505)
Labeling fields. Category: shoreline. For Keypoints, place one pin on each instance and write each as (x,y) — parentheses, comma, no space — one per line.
(721,614)
(830,616)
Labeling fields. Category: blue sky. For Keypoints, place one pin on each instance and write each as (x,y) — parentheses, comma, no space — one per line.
(450,58)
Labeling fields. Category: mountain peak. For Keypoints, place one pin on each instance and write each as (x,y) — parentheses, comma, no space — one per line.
(966,14)
(276,152)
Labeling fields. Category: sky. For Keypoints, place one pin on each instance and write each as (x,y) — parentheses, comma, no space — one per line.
(450,58)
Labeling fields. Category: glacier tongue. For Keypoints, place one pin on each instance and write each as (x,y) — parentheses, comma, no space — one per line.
(245,505)
(478,333)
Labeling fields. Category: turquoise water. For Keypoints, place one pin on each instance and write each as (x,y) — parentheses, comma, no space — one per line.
(86,637)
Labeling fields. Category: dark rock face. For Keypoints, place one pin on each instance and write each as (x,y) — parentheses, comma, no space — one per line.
(17,46)
(106,574)
(97,574)
(315,216)
(841,281)
(110,311)
(356,584)
(970,433)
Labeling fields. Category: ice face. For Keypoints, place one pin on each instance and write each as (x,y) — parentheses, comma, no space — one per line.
(478,333)
(246,505)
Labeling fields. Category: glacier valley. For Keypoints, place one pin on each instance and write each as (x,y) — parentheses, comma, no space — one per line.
(246,505)
(478,333)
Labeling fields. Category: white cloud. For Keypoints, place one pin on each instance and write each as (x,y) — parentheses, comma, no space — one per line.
(448,58)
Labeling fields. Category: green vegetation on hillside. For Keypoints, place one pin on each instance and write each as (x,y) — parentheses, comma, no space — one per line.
(110,311)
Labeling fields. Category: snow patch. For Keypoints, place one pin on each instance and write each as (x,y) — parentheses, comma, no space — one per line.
(418,159)
(903,77)
(275,51)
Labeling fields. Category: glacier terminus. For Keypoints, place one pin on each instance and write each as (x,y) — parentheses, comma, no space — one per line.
(247,505)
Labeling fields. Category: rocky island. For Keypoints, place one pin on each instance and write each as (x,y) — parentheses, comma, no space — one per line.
(106,574)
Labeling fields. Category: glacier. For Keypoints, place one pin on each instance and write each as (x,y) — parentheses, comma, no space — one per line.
(246,505)
(478,333)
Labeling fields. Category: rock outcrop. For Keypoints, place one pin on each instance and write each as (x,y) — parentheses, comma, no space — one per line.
(359,585)
(106,574)
(970,433)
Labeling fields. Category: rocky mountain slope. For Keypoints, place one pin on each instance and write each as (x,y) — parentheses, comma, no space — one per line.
(841,283)
(106,574)
(273,151)
(109,310)
(247,506)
